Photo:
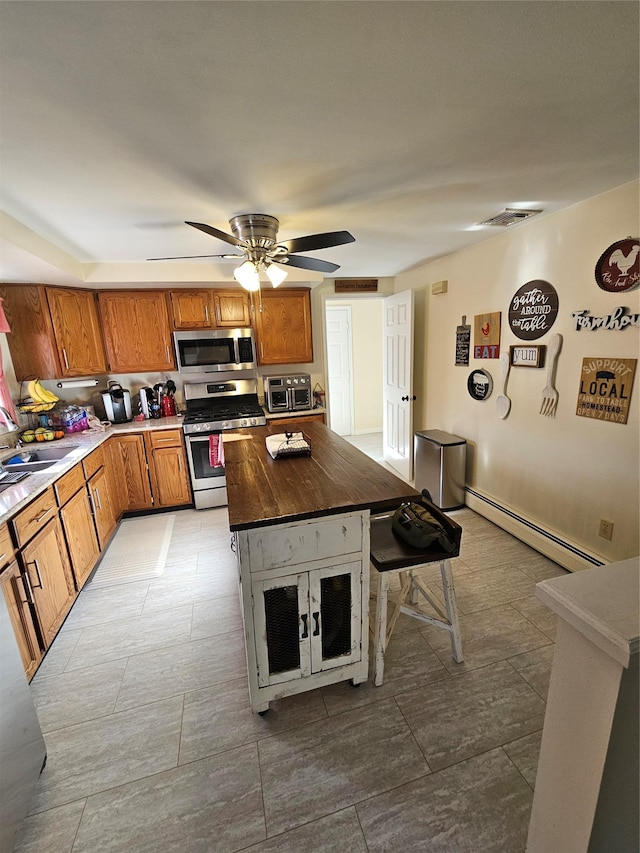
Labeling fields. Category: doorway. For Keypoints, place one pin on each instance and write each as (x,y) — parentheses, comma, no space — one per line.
(353,347)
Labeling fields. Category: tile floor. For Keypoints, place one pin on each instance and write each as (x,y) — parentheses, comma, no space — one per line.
(152,745)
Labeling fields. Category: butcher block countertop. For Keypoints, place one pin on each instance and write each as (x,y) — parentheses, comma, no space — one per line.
(336,478)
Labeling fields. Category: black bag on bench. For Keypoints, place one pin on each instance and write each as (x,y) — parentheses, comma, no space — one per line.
(418,526)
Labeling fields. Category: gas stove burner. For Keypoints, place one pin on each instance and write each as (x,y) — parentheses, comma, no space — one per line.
(217,406)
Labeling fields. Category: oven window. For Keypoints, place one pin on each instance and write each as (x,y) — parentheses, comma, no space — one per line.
(205,352)
(202,470)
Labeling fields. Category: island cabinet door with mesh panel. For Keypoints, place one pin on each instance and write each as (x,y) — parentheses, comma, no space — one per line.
(305,591)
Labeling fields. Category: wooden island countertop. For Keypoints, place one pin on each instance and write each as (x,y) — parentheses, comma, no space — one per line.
(336,478)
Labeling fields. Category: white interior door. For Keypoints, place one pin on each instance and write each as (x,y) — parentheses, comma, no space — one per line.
(397,426)
(339,353)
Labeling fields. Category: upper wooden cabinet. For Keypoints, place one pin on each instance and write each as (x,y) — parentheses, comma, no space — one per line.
(283,326)
(54,331)
(137,331)
(210,309)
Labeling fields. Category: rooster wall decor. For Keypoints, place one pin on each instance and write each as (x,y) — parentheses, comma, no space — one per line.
(618,267)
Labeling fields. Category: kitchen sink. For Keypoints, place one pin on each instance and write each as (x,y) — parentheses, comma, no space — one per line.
(40,459)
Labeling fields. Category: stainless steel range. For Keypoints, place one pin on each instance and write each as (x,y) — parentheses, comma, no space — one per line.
(212,408)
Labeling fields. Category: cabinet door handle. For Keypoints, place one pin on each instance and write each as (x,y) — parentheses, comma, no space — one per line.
(316,617)
(26,583)
(206,314)
(160,440)
(93,504)
(305,632)
(41,516)
(180,464)
(66,360)
(34,563)
(167,351)
(98,501)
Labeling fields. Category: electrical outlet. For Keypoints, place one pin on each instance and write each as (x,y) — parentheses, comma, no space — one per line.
(606,529)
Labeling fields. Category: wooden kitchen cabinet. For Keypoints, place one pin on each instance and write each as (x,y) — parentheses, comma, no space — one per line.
(283,326)
(77,331)
(299,420)
(82,542)
(47,569)
(231,309)
(137,330)
(130,464)
(191,309)
(170,481)
(16,594)
(98,487)
(55,331)
(210,309)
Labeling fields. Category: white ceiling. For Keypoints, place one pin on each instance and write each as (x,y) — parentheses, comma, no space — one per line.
(406,123)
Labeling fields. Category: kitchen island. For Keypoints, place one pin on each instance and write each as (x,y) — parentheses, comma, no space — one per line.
(301,531)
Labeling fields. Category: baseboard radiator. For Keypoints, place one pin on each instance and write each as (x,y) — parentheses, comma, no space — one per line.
(561,551)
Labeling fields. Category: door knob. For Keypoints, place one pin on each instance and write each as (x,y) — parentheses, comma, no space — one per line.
(406,399)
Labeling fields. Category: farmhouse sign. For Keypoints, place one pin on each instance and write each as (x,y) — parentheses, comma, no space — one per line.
(605,388)
(620,319)
(527,356)
(533,310)
(356,285)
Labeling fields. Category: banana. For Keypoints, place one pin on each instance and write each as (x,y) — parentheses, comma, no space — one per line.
(33,391)
(45,395)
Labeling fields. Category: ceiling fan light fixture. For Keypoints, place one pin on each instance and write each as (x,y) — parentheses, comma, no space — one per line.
(247,276)
(276,275)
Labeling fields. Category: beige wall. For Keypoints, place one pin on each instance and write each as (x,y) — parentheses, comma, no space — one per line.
(564,473)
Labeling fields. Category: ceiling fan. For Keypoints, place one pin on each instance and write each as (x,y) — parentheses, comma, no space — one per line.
(257,235)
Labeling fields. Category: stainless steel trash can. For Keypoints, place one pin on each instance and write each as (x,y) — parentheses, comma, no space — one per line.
(440,460)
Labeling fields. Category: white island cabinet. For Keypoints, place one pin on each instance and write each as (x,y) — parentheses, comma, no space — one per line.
(301,529)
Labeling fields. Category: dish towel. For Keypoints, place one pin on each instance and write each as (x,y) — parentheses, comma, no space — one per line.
(216,451)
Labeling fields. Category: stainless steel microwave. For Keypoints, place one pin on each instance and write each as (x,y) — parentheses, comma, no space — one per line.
(213,350)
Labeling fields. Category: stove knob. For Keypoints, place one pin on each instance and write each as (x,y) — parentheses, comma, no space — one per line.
(207,427)
(225,425)
(253,421)
(244,423)
(196,427)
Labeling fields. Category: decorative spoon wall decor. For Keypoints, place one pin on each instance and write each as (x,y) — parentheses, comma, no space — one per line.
(503,403)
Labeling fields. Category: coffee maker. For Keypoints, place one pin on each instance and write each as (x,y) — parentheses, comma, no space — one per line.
(117,403)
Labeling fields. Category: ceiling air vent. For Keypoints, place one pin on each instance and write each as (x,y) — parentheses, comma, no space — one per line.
(510,216)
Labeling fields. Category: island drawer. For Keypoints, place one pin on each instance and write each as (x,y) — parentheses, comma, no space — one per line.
(70,483)
(6,546)
(290,545)
(41,510)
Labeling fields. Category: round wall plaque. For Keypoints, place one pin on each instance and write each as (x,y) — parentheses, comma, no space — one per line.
(480,384)
(533,310)
(618,267)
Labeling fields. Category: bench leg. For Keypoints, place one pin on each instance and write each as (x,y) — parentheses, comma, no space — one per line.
(380,631)
(452,610)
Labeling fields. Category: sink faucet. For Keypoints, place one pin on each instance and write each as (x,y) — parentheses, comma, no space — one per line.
(11,425)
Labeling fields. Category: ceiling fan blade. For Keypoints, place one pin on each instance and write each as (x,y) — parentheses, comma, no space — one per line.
(317,241)
(310,264)
(187,257)
(214,232)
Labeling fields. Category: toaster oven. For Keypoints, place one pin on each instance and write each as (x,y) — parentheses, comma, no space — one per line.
(287,393)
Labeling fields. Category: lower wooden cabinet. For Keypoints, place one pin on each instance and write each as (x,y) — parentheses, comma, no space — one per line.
(168,468)
(101,506)
(16,593)
(299,421)
(48,574)
(130,462)
(80,534)
(151,469)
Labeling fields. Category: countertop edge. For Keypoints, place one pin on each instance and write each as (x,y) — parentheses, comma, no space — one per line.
(16,497)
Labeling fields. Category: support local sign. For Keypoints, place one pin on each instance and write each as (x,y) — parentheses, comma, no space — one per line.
(605,389)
